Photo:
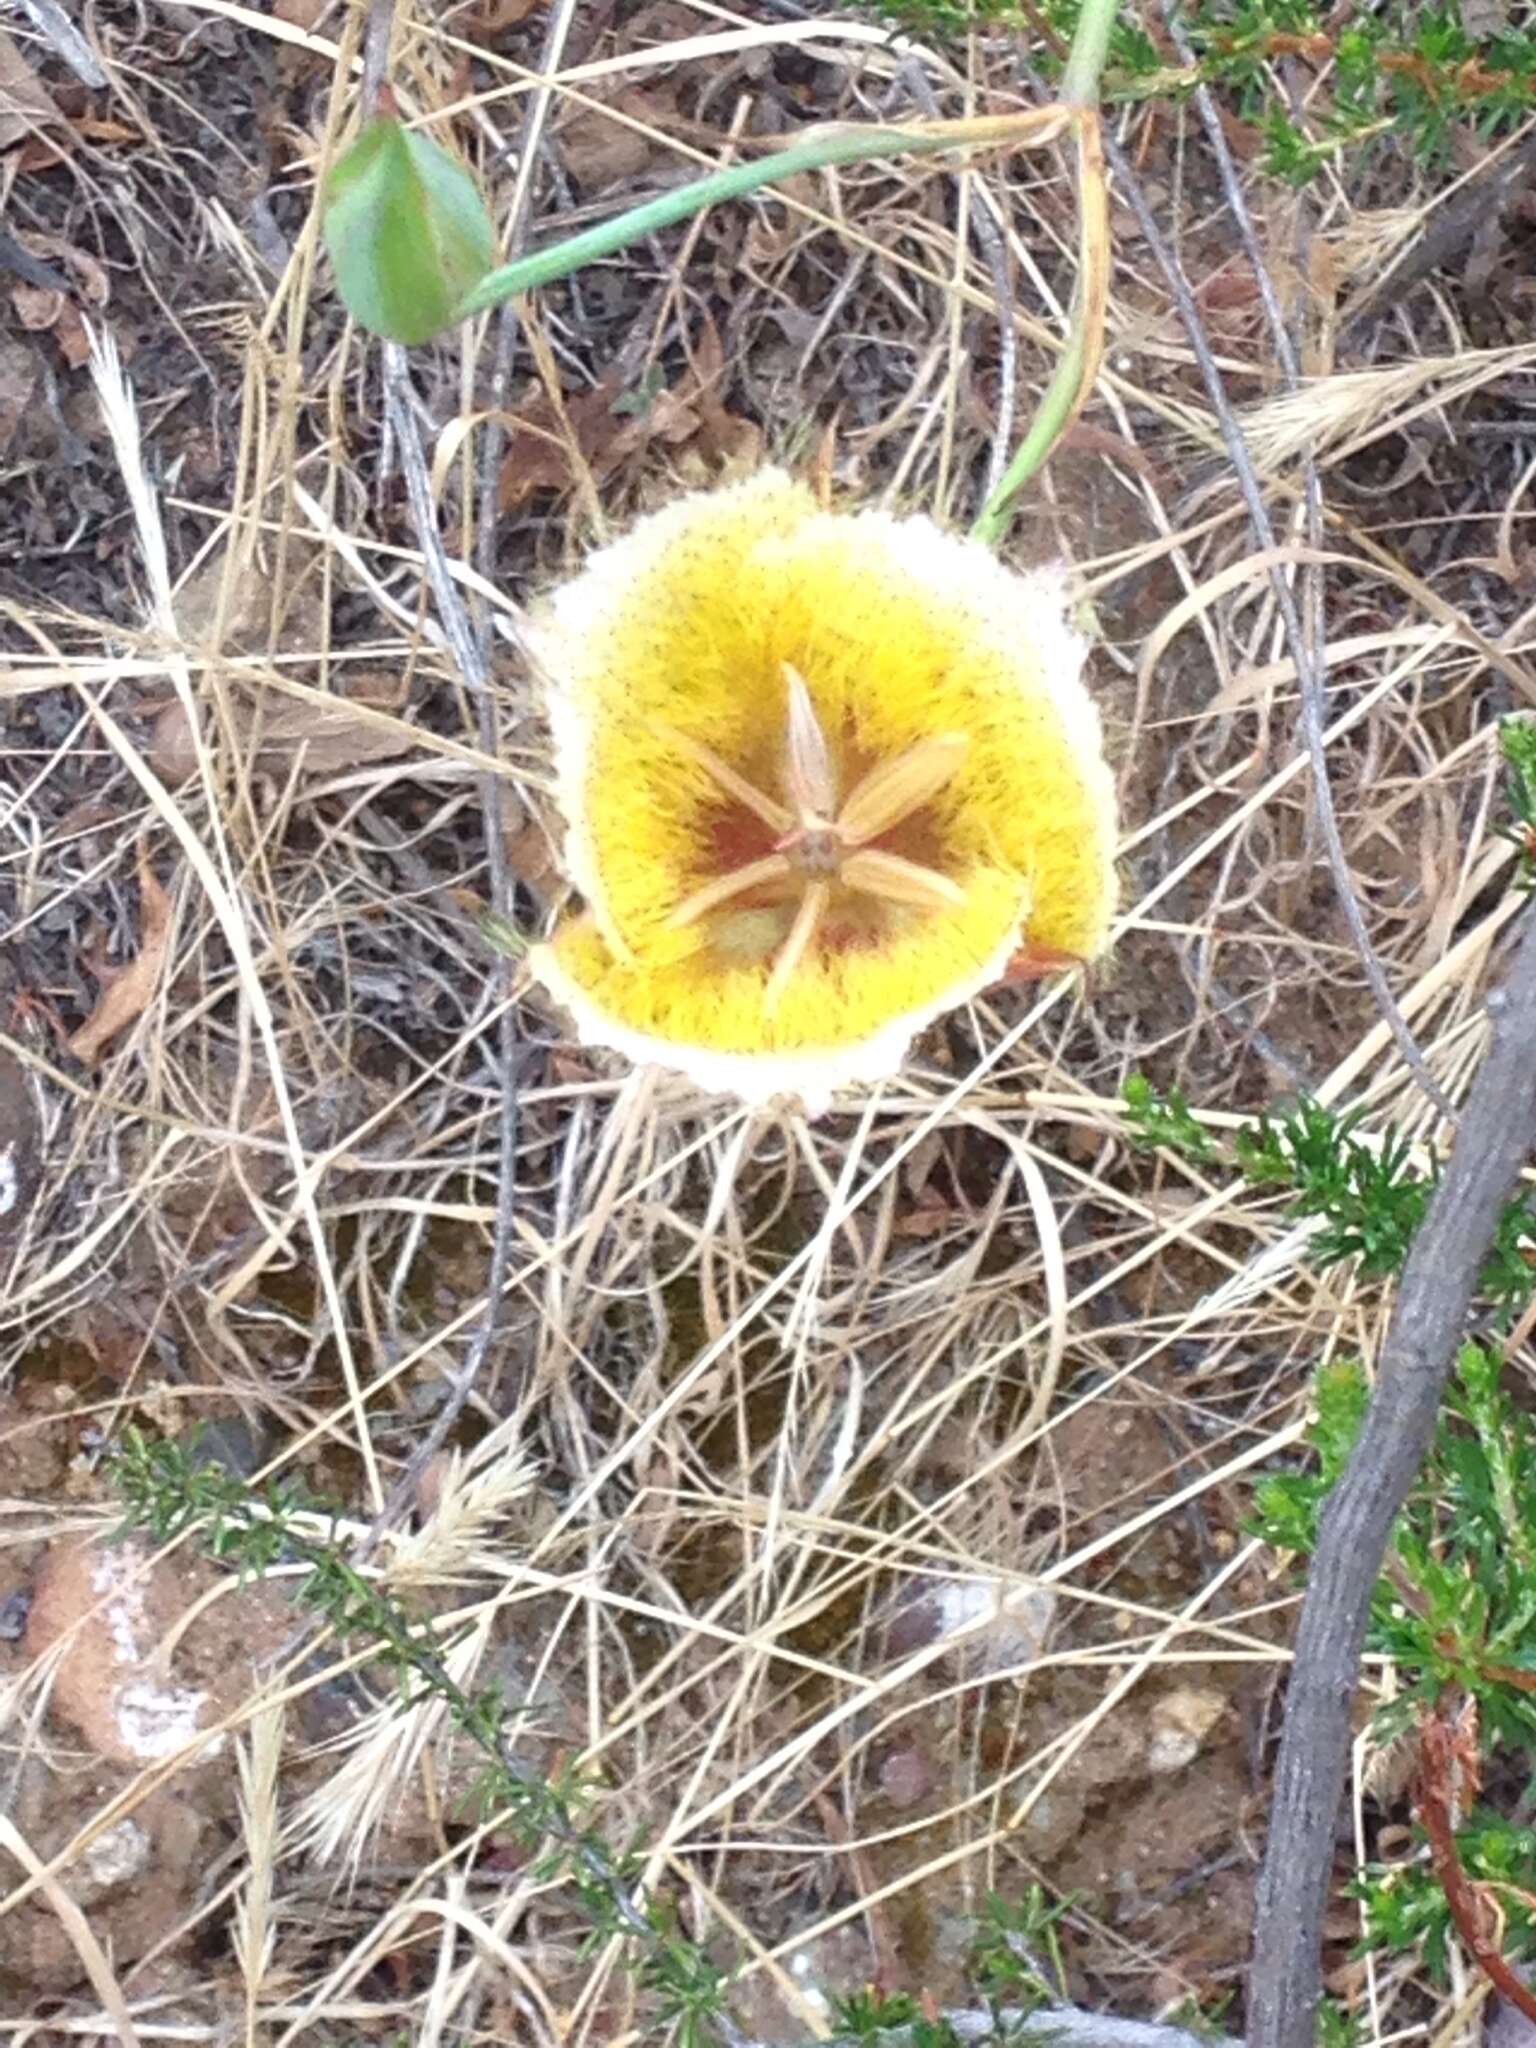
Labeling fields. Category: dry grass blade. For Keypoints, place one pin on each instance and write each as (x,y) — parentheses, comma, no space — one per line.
(255,1936)
(78,1930)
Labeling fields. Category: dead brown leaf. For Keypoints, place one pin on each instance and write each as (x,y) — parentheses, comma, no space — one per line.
(37,308)
(304,14)
(600,148)
(605,425)
(327,734)
(47,152)
(69,331)
(221,612)
(131,990)
(530,855)
(43,311)
(726,437)
(18,380)
(172,754)
(322,734)
(25,102)
(600,151)
(241,619)
(91,281)
(494,17)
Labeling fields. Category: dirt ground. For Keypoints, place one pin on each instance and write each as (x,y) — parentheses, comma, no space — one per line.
(863,1504)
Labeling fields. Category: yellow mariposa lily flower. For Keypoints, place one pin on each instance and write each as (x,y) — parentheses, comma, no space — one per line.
(823,777)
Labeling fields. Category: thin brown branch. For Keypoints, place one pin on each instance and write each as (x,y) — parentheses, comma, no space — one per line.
(1440,1753)
(1498,1131)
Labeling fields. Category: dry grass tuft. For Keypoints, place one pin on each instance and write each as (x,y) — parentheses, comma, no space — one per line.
(859,1503)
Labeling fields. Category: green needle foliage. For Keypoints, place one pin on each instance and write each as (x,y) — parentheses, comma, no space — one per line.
(1454,1612)
(168,1490)
(1455,1608)
(1155,1119)
(1402,71)
(1517,744)
(1368,1195)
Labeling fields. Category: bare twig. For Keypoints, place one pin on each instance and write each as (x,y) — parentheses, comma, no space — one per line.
(501,878)
(470,650)
(1303,647)
(1065,2026)
(65,40)
(1498,1130)
(471,647)
(376,41)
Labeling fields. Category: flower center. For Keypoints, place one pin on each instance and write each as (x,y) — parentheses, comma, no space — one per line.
(814,850)
(824,837)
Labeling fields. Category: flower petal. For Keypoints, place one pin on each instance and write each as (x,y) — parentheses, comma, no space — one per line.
(614,1007)
(711,1002)
(663,630)
(901,881)
(810,781)
(798,941)
(735,882)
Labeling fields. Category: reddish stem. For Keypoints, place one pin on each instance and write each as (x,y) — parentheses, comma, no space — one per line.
(1443,1751)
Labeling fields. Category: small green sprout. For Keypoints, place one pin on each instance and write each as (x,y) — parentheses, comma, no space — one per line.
(1156,1119)
(1368,1192)
(1517,743)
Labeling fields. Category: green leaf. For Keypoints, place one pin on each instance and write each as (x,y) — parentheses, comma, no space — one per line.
(407,231)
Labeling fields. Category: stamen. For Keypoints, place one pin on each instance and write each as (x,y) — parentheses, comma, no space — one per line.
(810,782)
(901,881)
(775,868)
(895,789)
(813,908)
(734,785)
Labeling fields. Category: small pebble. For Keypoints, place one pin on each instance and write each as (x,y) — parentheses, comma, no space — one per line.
(906,1776)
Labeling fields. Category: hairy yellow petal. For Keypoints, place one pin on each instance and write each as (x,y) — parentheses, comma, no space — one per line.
(745,646)
(726,778)
(842,1018)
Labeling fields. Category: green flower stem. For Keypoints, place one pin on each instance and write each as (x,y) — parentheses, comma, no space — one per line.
(1078,364)
(1085,60)
(839,145)
(1077,108)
